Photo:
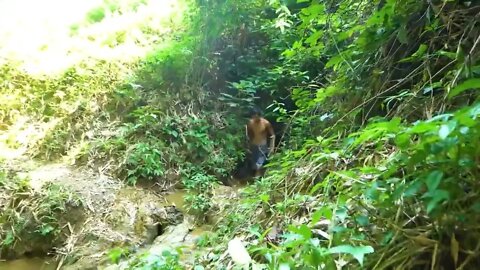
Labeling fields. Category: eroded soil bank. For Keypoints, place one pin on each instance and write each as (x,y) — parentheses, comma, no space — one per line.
(113,215)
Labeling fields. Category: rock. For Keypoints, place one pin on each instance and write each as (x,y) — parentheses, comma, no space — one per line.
(173,237)
(111,215)
(135,218)
(176,230)
(141,216)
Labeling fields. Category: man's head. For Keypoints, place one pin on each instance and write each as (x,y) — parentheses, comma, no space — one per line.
(255,113)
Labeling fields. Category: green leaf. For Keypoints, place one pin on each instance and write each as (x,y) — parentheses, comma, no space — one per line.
(421,127)
(412,189)
(9,239)
(44,230)
(417,55)
(312,39)
(323,93)
(315,257)
(302,230)
(265,198)
(316,187)
(402,35)
(284,266)
(464,130)
(362,220)
(443,132)
(334,61)
(421,50)
(387,238)
(434,179)
(438,196)
(341,214)
(468,84)
(402,140)
(450,55)
(317,215)
(115,254)
(357,252)
(446,129)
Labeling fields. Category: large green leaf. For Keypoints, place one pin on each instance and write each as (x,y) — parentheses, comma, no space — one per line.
(417,55)
(437,197)
(413,188)
(302,230)
(334,61)
(468,84)
(434,179)
(357,252)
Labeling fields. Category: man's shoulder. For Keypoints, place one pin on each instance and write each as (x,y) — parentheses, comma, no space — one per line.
(265,121)
(262,122)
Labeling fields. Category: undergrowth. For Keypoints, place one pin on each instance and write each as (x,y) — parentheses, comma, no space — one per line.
(377,168)
(33,221)
(138,118)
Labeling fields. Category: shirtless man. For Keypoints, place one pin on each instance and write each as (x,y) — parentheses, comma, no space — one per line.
(259,130)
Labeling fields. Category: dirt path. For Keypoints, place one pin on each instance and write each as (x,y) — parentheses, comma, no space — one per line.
(95,189)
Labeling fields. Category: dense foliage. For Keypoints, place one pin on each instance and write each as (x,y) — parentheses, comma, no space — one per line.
(149,118)
(378,157)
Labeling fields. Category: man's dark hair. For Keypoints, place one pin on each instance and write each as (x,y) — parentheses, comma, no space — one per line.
(255,111)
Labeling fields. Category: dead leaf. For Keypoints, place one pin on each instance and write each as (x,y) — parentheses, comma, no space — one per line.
(321,233)
(423,240)
(454,248)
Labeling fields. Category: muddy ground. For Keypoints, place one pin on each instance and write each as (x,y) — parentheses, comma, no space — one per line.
(115,215)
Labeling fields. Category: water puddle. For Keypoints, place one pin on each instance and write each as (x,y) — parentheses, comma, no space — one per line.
(197,231)
(176,199)
(237,187)
(28,264)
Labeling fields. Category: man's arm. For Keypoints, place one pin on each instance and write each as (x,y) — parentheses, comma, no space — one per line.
(247,134)
(271,134)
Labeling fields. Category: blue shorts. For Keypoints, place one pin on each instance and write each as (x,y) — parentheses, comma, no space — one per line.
(259,155)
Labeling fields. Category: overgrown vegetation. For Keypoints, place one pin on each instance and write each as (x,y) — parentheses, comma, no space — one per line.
(32,221)
(381,138)
(372,101)
(140,116)
(167,261)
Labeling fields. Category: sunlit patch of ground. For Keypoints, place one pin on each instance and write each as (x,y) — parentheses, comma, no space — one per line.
(51,35)
(47,37)
(22,134)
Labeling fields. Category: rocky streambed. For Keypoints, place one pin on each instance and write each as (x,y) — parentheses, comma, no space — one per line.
(112,215)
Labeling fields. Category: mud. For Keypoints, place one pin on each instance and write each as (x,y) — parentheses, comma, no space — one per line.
(29,264)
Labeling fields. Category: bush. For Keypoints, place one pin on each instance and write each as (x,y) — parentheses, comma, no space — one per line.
(33,221)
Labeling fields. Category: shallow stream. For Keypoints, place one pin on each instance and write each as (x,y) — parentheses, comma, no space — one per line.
(28,264)
(175,198)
